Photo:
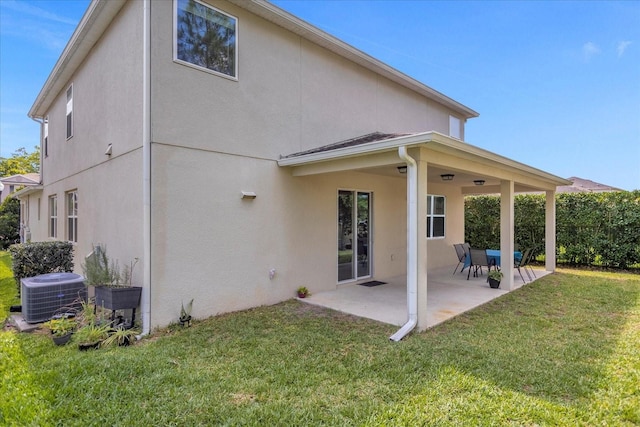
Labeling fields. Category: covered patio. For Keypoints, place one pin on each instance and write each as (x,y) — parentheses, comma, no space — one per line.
(448,295)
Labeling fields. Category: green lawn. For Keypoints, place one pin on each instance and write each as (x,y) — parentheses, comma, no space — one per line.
(564,350)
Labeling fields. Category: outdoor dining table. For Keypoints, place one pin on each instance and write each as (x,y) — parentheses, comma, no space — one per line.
(493,256)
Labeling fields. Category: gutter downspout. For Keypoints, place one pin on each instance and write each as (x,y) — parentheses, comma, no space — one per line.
(146,167)
(412,246)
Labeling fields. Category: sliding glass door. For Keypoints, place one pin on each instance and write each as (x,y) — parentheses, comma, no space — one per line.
(354,237)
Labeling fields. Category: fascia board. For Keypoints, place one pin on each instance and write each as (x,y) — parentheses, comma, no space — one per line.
(436,141)
(94,22)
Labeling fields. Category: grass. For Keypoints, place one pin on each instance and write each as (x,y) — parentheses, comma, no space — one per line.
(564,350)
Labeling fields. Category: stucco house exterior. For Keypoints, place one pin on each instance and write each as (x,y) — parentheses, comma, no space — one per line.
(269,157)
(10,184)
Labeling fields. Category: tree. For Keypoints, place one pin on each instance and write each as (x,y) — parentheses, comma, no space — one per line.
(20,162)
(9,222)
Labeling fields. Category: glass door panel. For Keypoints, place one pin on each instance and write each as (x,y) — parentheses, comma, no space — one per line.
(354,237)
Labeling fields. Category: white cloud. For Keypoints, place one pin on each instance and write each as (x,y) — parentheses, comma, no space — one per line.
(39,13)
(589,50)
(622,47)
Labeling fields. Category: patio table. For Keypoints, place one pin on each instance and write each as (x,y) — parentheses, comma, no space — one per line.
(492,255)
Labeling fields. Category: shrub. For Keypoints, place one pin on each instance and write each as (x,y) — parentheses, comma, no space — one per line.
(9,222)
(33,259)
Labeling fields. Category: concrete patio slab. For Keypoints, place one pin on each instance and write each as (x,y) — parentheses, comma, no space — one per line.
(447,296)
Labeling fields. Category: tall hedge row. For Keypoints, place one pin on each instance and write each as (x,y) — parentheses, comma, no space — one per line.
(591,228)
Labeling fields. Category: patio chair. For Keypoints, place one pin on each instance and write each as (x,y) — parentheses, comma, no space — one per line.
(522,264)
(479,259)
(461,254)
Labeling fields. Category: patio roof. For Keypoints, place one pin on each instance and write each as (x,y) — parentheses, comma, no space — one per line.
(377,152)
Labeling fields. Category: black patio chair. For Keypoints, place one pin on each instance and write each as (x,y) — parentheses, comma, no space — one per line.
(522,264)
(461,254)
(479,259)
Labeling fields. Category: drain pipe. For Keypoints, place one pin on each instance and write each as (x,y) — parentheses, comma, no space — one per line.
(412,248)
(146,167)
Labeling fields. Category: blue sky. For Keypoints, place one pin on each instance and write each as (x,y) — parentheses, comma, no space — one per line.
(557,84)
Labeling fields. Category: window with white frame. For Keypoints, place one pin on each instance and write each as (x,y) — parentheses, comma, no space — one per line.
(70,112)
(72,216)
(205,37)
(435,216)
(45,137)
(53,216)
(454,127)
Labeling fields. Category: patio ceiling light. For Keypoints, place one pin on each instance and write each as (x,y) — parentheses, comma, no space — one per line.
(479,182)
(402,169)
(447,176)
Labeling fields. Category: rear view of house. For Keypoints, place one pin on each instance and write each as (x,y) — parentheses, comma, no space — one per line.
(240,153)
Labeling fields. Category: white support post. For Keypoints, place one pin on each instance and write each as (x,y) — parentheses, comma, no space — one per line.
(507,233)
(550,232)
(422,241)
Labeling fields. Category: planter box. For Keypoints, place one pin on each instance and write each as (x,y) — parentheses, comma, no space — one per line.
(118,298)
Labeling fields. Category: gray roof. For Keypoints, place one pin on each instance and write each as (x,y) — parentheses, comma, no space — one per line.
(359,140)
(581,185)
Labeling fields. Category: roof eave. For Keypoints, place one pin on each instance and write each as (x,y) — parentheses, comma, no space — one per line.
(94,22)
(435,140)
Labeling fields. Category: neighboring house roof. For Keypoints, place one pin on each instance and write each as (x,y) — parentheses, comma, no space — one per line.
(100,13)
(22,179)
(580,185)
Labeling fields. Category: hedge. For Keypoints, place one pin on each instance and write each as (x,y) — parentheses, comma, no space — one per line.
(33,259)
(601,229)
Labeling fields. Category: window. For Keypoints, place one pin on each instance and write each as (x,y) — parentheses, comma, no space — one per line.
(205,37)
(435,216)
(53,216)
(45,139)
(72,216)
(454,127)
(70,112)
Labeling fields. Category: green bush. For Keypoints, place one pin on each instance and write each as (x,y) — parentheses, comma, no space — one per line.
(33,259)
(9,222)
(591,228)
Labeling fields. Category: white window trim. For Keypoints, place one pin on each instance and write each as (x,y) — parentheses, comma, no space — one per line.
(197,67)
(454,127)
(45,139)
(53,216)
(69,110)
(71,215)
(434,215)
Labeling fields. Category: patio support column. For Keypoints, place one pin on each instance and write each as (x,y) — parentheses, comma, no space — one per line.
(422,239)
(507,233)
(550,232)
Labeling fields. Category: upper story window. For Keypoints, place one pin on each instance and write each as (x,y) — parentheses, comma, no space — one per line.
(435,216)
(45,137)
(206,38)
(70,112)
(454,127)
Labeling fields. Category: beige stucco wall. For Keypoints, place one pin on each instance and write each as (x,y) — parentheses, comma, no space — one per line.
(214,137)
(107,99)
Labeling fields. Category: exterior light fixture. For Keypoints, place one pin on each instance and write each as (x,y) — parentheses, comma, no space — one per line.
(479,182)
(402,169)
(447,176)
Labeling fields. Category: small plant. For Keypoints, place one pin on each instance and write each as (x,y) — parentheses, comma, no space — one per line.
(61,326)
(495,275)
(99,270)
(90,336)
(303,292)
(121,337)
(127,273)
(185,314)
